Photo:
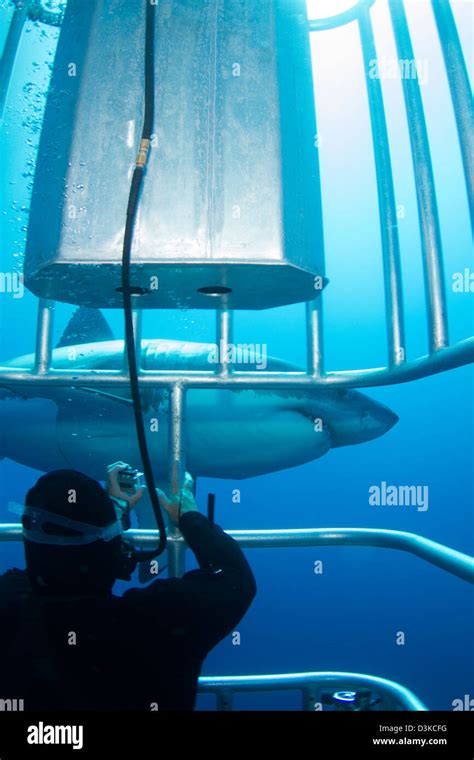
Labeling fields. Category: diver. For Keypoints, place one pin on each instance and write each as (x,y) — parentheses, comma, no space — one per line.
(68,643)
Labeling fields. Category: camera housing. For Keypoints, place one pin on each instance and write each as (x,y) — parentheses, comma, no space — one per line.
(129,480)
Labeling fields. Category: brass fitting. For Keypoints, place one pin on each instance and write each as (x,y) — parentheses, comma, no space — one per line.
(143,153)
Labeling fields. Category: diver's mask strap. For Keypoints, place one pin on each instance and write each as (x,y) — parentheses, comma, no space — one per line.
(86,533)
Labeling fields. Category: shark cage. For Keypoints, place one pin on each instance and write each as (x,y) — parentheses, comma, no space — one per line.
(229,217)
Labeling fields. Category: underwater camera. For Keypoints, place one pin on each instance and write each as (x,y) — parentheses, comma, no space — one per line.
(130,480)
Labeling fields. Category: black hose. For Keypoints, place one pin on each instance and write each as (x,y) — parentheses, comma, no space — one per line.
(132,208)
(149,112)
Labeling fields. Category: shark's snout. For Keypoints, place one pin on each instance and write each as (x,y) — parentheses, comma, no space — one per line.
(351,416)
(377,420)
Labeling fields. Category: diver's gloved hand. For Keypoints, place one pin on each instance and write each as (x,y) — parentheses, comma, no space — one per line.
(180,503)
(113,487)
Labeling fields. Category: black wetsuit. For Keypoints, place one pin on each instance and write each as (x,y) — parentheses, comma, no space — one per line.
(141,651)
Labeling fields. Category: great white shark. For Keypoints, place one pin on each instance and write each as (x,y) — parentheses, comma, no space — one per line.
(230,434)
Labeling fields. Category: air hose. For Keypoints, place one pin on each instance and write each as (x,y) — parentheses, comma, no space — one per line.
(127,290)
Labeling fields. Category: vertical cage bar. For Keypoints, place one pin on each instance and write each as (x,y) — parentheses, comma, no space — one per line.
(314,308)
(44,336)
(224,337)
(460,91)
(224,698)
(176,453)
(425,187)
(137,332)
(176,555)
(314,337)
(386,198)
(310,697)
(176,437)
(10,50)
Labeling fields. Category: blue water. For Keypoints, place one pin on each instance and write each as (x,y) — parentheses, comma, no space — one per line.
(348,617)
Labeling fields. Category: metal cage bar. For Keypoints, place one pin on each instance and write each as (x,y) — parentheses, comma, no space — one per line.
(10,49)
(457,355)
(315,337)
(393,696)
(137,318)
(22,12)
(460,90)
(224,337)
(452,561)
(441,556)
(425,187)
(44,337)
(177,408)
(386,197)
(340,19)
